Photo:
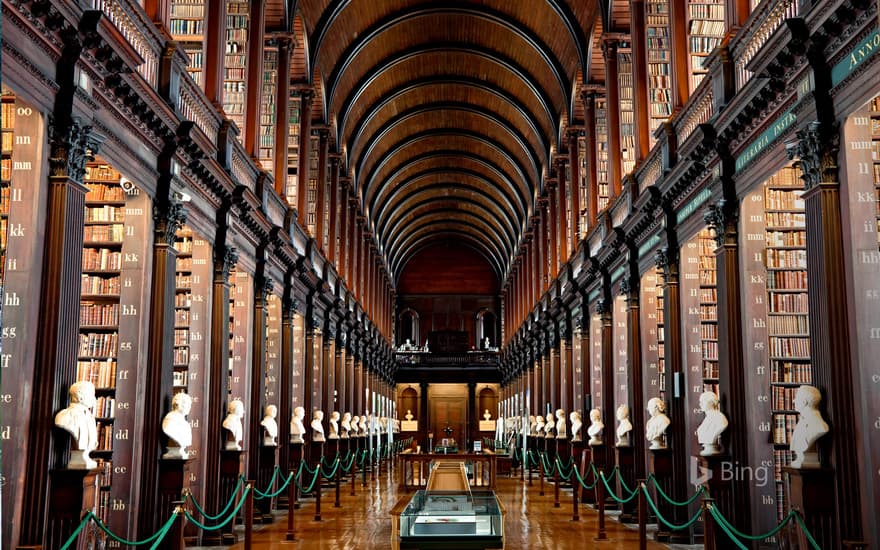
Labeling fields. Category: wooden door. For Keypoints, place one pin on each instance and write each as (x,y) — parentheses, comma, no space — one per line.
(452,412)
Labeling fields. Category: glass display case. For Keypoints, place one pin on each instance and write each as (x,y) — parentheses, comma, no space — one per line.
(438,519)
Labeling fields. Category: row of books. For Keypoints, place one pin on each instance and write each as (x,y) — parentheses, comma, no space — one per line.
(181,317)
(183,280)
(184,263)
(710,350)
(710,370)
(182,300)
(101,172)
(181,356)
(92,284)
(786,238)
(91,314)
(709,312)
(783,426)
(781,458)
(705,34)
(101,259)
(6,169)
(709,295)
(782,398)
(105,407)
(789,346)
(709,331)
(179,379)
(788,324)
(103,233)
(786,372)
(708,277)
(100,373)
(778,199)
(786,259)
(706,11)
(788,302)
(193,10)
(794,220)
(196,56)
(194,27)
(105,437)
(105,213)
(103,192)
(181,337)
(94,344)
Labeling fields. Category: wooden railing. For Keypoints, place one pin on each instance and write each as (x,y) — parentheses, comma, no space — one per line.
(131,20)
(414,469)
(194,106)
(698,110)
(425,358)
(650,171)
(761,25)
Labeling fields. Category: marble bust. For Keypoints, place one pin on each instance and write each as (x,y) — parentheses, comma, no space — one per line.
(270,426)
(549,425)
(297,429)
(539,425)
(355,426)
(334,425)
(232,425)
(408,415)
(176,427)
(561,430)
(576,424)
(596,427)
(317,426)
(712,426)
(533,425)
(487,415)
(624,426)
(364,426)
(346,425)
(809,428)
(655,427)
(78,419)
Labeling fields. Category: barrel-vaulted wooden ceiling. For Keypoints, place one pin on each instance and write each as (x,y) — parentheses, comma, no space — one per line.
(447,113)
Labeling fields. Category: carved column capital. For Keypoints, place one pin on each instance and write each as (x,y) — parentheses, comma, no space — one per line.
(603,306)
(722,218)
(816,148)
(168,221)
(71,146)
(225,260)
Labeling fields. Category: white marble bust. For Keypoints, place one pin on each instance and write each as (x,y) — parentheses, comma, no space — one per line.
(539,425)
(549,425)
(596,427)
(576,424)
(78,419)
(232,425)
(712,426)
(176,427)
(533,425)
(364,426)
(346,425)
(396,425)
(270,426)
(334,425)
(624,426)
(487,415)
(408,415)
(355,426)
(317,426)
(809,428)
(297,429)
(561,429)
(655,427)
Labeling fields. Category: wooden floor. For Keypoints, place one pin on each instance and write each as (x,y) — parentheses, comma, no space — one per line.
(363,521)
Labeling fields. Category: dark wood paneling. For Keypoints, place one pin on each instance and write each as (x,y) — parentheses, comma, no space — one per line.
(448,269)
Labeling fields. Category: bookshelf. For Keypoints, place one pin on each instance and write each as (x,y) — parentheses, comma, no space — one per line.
(235,61)
(187,26)
(7,124)
(297,388)
(267,109)
(273,348)
(602,154)
(627,109)
(621,359)
(595,378)
(708,311)
(183,243)
(293,123)
(705,31)
(875,158)
(312,198)
(661,335)
(583,188)
(788,329)
(240,331)
(659,64)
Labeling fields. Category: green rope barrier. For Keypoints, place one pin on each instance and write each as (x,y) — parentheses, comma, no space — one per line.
(700,491)
(736,541)
(269,485)
(223,524)
(351,459)
(611,494)
(333,473)
(672,526)
(157,537)
(208,516)
(800,522)
(311,485)
(559,468)
(306,467)
(260,495)
(583,483)
(623,484)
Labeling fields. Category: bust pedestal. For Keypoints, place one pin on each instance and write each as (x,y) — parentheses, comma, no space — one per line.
(625,458)
(599,455)
(296,456)
(720,490)
(661,467)
(230,469)
(268,461)
(588,496)
(71,494)
(812,492)
(563,449)
(172,477)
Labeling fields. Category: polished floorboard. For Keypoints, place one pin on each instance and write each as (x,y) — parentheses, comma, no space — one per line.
(363,521)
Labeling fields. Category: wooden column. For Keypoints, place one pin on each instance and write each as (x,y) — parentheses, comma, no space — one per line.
(307,97)
(286,379)
(256,45)
(344,221)
(678,42)
(564,225)
(541,247)
(818,147)
(604,308)
(328,371)
(55,363)
(554,372)
(575,185)
(640,78)
(676,437)
(630,288)
(340,377)
(589,99)
(320,195)
(612,114)
(215,52)
(282,105)
(333,235)
(262,289)
(552,225)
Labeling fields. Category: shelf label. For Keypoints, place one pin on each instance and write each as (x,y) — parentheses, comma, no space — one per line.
(862,52)
(782,124)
